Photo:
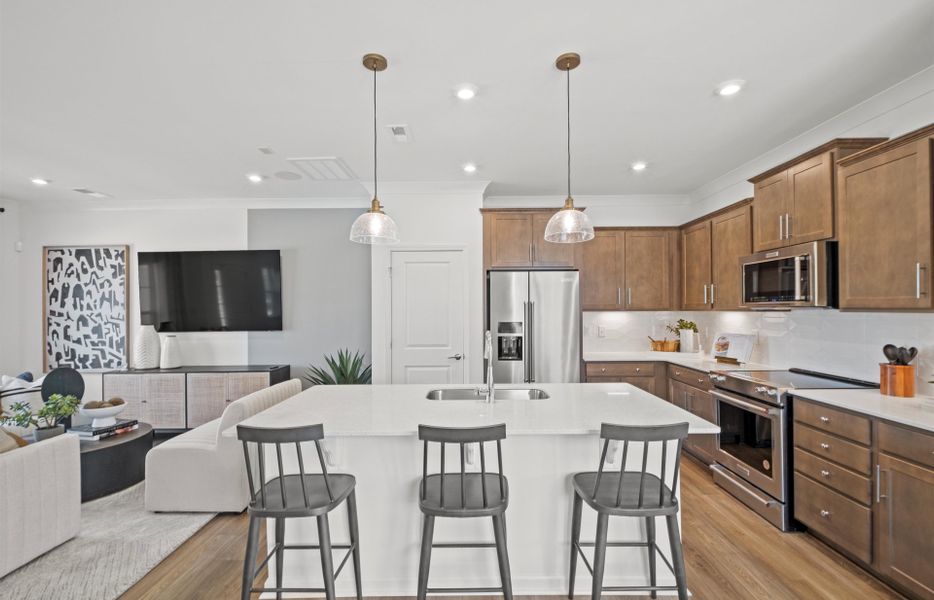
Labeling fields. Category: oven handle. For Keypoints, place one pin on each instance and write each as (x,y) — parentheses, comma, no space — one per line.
(753,408)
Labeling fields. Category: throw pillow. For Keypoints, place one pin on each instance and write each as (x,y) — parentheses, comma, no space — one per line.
(7,443)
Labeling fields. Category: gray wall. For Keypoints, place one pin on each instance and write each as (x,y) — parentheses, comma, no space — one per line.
(325,286)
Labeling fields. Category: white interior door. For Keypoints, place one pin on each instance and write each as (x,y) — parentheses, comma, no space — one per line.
(428,316)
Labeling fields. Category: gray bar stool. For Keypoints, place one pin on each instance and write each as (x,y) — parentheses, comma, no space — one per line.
(631,494)
(463,495)
(295,495)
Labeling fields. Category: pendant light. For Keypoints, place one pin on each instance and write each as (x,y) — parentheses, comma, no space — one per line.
(569,225)
(374,226)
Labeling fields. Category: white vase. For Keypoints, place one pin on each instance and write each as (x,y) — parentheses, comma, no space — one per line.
(688,340)
(146,348)
(171,355)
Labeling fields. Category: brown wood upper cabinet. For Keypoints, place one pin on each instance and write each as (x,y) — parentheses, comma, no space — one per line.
(696,270)
(884,225)
(731,239)
(627,269)
(794,202)
(515,238)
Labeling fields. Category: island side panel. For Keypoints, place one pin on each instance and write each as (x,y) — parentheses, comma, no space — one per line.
(538,519)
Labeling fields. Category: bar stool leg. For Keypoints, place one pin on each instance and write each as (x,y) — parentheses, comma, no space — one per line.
(249,561)
(280,554)
(327,560)
(355,540)
(499,533)
(424,561)
(650,535)
(599,556)
(677,556)
(575,539)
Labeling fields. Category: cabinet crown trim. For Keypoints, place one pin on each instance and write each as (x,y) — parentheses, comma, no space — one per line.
(908,138)
(835,144)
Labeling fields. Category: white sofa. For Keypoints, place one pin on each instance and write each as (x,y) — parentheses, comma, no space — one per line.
(40,499)
(202,470)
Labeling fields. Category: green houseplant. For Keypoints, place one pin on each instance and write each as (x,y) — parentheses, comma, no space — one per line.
(47,420)
(687,332)
(346,369)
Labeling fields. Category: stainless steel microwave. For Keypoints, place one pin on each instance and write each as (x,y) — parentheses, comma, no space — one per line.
(796,276)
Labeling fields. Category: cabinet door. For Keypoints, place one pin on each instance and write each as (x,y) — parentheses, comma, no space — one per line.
(510,239)
(128,387)
(769,207)
(905,524)
(243,384)
(601,271)
(647,260)
(164,400)
(810,215)
(695,248)
(884,228)
(643,383)
(206,398)
(731,239)
(549,254)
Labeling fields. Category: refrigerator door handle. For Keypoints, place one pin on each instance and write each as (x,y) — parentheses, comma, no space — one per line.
(526,331)
(531,342)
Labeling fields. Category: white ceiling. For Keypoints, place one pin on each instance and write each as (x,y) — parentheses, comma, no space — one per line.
(169,99)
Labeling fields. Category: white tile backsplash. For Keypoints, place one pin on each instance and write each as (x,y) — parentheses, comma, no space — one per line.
(827,340)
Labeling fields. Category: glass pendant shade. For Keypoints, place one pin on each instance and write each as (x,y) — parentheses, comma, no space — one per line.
(568,226)
(376,227)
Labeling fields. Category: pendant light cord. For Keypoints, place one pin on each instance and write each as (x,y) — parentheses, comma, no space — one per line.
(375,185)
(569,130)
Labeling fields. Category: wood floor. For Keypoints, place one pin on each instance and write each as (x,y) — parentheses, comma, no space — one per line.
(729,550)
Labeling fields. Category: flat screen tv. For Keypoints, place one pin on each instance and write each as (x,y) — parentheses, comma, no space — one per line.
(237,290)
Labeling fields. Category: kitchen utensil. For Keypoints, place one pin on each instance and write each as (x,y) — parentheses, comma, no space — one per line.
(912,353)
(890,352)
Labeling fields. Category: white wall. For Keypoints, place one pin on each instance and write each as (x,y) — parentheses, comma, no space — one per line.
(431,216)
(826,340)
(611,211)
(10,289)
(142,230)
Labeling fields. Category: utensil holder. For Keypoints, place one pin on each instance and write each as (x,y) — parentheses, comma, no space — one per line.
(897,380)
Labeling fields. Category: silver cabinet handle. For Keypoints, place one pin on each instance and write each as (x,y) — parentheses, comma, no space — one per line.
(638,369)
(531,342)
(705,293)
(619,296)
(530,252)
(456,356)
(825,473)
(825,446)
(781,227)
(824,513)
(787,226)
(628,296)
(603,369)
(712,295)
(825,419)
(918,268)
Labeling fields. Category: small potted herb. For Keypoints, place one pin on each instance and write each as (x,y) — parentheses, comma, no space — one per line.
(687,332)
(48,420)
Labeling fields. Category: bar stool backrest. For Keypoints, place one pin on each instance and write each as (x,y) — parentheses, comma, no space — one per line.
(462,437)
(279,437)
(645,437)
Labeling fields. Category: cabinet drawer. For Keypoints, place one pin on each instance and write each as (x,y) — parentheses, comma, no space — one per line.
(837,518)
(837,422)
(620,369)
(694,378)
(831,447)
(842,480)
(906,443)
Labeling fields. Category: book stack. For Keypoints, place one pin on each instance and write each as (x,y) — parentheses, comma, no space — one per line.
(93,434)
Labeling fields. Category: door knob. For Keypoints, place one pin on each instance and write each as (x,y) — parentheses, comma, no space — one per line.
(456,356)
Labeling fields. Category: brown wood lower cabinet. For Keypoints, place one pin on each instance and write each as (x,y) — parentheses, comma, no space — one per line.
(866,486)
(698,402)
(648,376)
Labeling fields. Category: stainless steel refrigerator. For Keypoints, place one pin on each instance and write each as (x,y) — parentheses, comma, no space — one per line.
(535,319)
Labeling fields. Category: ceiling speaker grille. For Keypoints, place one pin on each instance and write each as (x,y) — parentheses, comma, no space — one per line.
(324,168)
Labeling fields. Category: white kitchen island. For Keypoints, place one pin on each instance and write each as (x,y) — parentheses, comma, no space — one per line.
(371,433)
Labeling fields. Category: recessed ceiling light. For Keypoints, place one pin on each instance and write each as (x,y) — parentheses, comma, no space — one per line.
(470,168)
(639,165)
(466,92)
(730,88)
(255,178)
(40,181)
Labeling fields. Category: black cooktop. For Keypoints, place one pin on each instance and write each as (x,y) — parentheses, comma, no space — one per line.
(798,379)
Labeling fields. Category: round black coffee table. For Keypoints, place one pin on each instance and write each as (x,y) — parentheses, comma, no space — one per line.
(115,463)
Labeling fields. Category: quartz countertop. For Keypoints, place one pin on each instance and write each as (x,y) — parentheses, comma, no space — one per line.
(914,412)
(691,360)
(397,410)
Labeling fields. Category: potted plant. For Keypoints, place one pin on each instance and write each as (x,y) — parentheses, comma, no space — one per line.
(47,420)
(687,332)
(346,369)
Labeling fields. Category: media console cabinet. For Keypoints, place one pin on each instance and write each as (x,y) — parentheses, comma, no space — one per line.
(184,398)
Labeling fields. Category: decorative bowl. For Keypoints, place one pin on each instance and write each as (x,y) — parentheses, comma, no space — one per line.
(103,417)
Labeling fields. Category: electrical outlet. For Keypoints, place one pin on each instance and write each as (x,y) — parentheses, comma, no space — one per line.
(601,331)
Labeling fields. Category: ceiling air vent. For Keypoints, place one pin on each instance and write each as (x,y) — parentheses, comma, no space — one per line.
(400,133)
(92,193)
(324,168)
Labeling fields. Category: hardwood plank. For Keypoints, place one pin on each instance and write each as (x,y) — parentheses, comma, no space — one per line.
(730,552)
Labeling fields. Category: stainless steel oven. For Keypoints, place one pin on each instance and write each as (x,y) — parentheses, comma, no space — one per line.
(796,276)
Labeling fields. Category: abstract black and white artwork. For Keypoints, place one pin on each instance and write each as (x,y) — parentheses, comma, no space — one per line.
(85,318)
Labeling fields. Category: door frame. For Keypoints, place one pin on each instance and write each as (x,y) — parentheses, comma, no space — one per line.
(381,309)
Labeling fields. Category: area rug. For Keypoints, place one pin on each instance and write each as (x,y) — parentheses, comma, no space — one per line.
(118,544)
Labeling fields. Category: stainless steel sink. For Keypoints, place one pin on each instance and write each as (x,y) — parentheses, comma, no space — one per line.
(480,393)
